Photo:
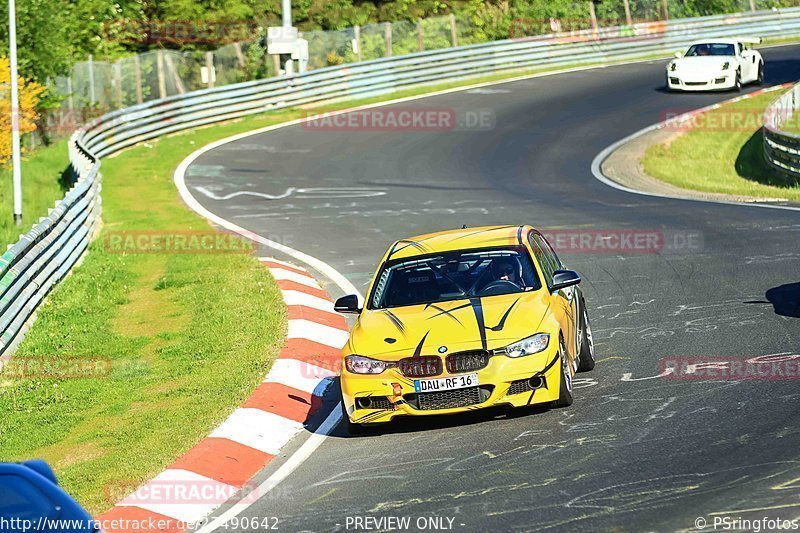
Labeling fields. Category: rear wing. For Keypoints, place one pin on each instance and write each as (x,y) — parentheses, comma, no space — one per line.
(749,40)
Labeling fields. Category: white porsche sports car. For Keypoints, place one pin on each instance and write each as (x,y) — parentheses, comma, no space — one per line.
(717,64)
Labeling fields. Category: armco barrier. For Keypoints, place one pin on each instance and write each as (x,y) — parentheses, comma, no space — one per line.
(782,148)
(30,268)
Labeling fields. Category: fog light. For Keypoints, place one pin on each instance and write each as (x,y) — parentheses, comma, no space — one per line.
(535,382)
(397,389)
(364,403)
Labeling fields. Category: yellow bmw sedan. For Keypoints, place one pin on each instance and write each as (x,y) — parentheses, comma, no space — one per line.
(462,320)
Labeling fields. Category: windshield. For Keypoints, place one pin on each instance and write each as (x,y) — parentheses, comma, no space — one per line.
(453,276)
(711,49)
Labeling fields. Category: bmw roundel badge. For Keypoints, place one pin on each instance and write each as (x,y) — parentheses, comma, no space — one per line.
(442,349)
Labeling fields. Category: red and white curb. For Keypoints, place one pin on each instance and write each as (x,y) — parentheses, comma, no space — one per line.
(222,464)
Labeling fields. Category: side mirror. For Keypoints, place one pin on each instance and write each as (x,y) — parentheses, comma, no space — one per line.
(565,278)
(678,55)
(347,304)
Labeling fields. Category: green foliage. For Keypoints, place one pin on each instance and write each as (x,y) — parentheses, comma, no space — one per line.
(56,33)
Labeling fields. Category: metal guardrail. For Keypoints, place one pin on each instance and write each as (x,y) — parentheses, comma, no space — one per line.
(782,148)
(30,268)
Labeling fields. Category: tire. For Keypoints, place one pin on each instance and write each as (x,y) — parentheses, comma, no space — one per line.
(737,84)
(352,428)
(565,383)
(586,349)
(760,78)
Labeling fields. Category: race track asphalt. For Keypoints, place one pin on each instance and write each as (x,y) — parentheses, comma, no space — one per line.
(631,453)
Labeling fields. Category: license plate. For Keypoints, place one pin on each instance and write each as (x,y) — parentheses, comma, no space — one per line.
(451,383)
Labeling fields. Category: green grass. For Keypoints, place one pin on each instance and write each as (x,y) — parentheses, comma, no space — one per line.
(42,185)
(188,335)
(719,159)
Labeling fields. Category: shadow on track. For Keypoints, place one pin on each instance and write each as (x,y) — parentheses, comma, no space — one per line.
(785,299)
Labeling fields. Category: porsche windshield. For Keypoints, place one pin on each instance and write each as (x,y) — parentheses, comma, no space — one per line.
(453,276)
(711,49)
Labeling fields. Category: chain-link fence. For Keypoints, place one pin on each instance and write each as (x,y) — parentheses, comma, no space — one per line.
(95,87)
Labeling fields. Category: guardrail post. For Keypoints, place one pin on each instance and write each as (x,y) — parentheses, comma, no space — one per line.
(118,84)
(357,38)
(453,30)
(420,45)
(91,80)
(210,69)
(387,37)
(137,71)
(162,83)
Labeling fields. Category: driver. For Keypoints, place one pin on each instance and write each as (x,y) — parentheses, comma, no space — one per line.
(505,269)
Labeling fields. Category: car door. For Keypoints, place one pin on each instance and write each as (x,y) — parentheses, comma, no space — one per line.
(749,63)
(563,300)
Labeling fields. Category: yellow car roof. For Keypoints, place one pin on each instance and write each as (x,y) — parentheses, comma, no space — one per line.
(458,239)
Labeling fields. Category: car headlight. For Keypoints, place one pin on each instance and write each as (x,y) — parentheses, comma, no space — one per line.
(726,65)
(673,67)
(364,365)
(528,346)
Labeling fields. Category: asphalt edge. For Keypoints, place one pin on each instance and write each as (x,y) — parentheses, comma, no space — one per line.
(223,463)
(599,159)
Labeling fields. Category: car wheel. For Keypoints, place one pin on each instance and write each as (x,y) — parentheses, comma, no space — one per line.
(586,348)
(565,387)
(760,79)
(737,85)
(351,427)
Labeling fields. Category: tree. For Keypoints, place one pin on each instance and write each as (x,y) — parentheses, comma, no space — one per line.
(29,95)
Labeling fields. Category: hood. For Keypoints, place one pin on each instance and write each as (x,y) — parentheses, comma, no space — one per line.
(705,63)
(488,323)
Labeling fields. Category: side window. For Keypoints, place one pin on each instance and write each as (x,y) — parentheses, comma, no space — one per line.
(20,499)
(541,257)
(550,262)
(548,250)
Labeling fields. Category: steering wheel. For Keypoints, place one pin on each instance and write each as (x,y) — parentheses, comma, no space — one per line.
(500,286)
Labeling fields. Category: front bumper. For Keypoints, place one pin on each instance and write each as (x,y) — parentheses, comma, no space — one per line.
(718,82)
(504,381)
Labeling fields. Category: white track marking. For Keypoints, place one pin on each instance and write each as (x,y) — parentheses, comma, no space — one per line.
(600,158)
(314,331)
(309,300)
(298,458)
(297,374)
(288,275)
(148,497)
(179,178)
(261,430)
(279,262)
